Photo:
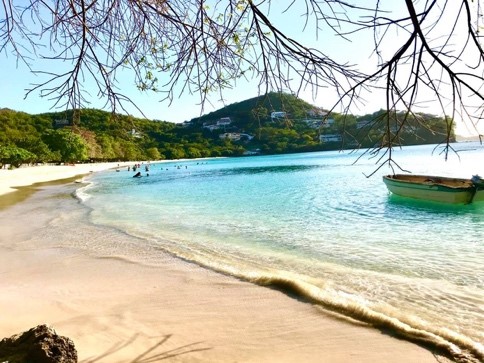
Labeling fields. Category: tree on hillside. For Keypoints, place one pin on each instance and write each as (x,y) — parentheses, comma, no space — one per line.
(425,50)
(69,146)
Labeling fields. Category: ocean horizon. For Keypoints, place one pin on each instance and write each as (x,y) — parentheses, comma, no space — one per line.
(315,226)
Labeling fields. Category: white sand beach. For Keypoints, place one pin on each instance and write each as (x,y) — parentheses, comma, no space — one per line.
(121,309)
(9,179)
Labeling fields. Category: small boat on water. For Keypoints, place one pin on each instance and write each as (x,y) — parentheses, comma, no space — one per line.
(436,188)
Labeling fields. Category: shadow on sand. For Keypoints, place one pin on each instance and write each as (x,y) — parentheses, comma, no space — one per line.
(153,354)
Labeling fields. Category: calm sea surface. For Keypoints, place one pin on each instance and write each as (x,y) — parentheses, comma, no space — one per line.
(313,225)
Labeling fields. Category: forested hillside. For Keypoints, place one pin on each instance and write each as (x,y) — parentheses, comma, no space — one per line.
(276,123)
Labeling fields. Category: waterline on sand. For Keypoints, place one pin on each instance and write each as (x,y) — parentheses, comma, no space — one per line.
(313,226)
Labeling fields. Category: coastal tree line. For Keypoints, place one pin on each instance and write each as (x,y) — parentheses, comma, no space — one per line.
(95,135)
(98,136)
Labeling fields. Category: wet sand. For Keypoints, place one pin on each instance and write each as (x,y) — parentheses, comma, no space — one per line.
(120,303)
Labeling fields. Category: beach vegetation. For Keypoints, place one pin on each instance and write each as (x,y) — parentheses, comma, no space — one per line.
(69,146)
(38,148)
(14,156)
(153,154)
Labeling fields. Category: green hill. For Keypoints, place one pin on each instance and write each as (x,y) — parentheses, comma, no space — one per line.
(270,124)
(282,123)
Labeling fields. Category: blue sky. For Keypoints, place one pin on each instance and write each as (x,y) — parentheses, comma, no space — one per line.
(16,78)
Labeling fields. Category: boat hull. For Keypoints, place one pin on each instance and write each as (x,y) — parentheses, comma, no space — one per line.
(437,189)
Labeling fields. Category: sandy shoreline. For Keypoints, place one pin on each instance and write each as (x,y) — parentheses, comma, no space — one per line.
(24,176)
(122,309)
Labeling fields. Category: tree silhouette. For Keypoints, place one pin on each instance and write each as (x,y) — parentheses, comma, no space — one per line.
(204,47)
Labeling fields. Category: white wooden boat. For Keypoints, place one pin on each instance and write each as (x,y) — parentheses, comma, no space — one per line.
(436,188)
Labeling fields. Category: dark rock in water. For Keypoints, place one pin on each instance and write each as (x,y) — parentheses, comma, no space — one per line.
(38,345)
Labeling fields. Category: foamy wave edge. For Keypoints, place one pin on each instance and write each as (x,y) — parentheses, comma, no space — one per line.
(81,193)
(460,348)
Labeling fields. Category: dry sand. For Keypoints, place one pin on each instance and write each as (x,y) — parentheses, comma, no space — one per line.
(122,309)
(10,179)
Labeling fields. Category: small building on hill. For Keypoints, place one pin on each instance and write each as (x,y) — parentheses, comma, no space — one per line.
(223,122)
(330,138)
(135,134)
(328,122)
(318,112)
(276,115)
(59,123)
(363,123)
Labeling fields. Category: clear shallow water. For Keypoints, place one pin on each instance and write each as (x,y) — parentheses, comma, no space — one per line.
(314,225)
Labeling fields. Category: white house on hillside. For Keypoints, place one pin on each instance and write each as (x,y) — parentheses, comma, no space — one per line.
(328,122)
(236,136)
(134,133)
(317,112)
(186,124)
(224,121)
(62,122)
(330,138)
(277,115)
(221,123)
(313,123)
(363,123)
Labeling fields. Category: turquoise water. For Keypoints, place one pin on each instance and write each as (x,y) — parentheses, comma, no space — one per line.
(314,225)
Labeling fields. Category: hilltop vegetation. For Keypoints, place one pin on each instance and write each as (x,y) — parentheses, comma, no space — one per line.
(276,123)
(300,126)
